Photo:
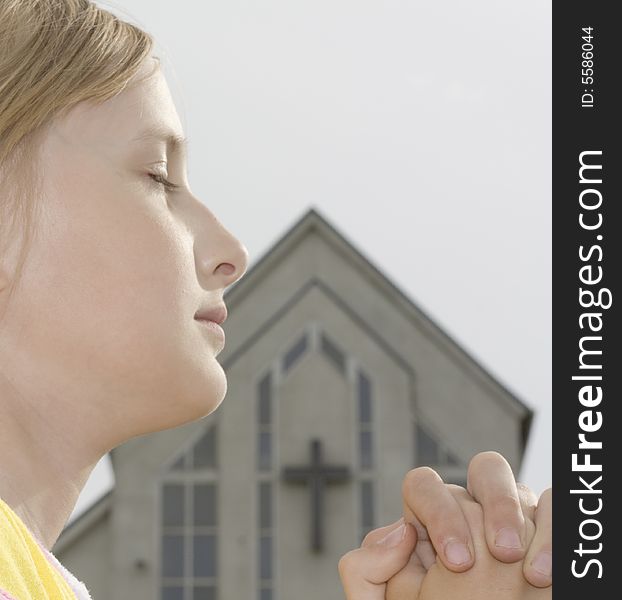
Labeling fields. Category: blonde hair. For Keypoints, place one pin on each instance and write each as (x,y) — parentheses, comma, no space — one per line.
(53,55)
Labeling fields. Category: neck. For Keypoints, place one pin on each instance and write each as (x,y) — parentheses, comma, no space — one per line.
(46,461)
(45,510)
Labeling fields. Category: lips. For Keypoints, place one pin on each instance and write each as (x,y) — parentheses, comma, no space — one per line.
(213,329)
(217,314)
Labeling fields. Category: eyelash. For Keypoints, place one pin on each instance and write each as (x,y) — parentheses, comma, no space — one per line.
(165,183)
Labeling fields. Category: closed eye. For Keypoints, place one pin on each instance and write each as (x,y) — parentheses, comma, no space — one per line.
(165,183)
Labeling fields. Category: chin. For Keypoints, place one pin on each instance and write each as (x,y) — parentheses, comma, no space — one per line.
(218,389)
(199,391)
(207,392)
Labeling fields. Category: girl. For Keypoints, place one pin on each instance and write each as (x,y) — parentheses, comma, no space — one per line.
(107,261)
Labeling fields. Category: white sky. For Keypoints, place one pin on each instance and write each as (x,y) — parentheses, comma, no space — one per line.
(420,129)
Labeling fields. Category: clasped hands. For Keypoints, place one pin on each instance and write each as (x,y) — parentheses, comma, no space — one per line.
(492,541)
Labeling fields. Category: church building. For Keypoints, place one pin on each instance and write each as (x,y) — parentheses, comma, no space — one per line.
(338,384)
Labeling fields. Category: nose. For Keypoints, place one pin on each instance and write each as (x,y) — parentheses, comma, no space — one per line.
(221,258)
(236,266)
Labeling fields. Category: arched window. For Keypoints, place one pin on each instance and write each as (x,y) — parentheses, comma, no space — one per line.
(333,353)
(295,353)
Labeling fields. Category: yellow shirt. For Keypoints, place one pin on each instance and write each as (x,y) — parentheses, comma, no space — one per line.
(28,570)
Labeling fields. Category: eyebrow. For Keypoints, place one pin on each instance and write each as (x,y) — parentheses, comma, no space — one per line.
(175,143)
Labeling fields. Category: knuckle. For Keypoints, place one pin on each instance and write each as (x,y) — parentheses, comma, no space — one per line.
(446,524)
(507,505)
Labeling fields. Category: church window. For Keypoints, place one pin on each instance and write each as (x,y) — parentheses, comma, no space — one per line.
(333,353)
(428,451)
(189,519)
(295,353)
(364,399)
(265,557)
(365,451)
(265,509)
(367,508)
(265,505)
(265,451)
(173,555)
(204,452)
(264,423)
(172,592)
(365,421)
(264,405)
(202,592)
(205,505)
(204,551)
(173,504)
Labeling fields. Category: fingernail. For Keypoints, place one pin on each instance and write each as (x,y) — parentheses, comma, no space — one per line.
(543,563)
(395,537)
(508,538)
(457,552)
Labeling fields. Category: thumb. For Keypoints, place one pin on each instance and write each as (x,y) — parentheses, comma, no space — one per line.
(364,571)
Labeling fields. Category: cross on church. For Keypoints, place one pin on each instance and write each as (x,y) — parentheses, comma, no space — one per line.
(317,475)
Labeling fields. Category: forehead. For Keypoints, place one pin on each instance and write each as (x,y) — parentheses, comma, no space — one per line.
(175,142)
(143,112)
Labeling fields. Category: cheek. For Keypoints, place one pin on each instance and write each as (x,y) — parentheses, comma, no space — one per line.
(112,283)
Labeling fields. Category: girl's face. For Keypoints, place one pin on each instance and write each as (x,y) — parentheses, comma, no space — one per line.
(102,322)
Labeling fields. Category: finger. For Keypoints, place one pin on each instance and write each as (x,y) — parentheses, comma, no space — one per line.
(527,497)
(364,572)
(501,577)
(538,566)
(427,501)
(424,550)
(474,516)
(425,553)
(491,482)
(528,501)
(406,584)
(375,535)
